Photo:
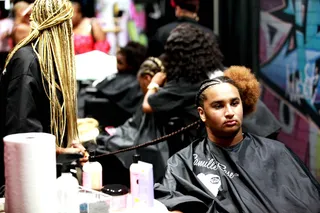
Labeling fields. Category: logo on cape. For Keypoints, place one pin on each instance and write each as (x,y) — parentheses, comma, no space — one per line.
(212,164)
(211,181)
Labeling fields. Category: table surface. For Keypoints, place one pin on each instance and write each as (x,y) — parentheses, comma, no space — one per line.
(157,208)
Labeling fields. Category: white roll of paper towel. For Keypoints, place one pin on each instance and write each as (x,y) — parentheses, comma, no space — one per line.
(30,171)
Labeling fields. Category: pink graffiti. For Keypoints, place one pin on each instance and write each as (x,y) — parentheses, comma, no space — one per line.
(298,139)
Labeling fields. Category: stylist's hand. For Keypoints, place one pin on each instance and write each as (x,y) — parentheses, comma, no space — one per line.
(71,150)
(74,149)
(175,211)
(159,78)
(84,152)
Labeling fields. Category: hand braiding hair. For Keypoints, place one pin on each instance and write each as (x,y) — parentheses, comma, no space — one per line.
(51,39)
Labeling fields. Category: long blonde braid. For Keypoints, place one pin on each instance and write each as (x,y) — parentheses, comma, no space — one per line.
(51,38)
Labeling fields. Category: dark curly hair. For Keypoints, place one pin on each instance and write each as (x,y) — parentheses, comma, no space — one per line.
(240,77)
(191,53)
(81,5)
(135,54)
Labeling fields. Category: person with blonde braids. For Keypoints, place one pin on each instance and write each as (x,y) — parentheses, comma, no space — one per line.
(231,170)
(38,85)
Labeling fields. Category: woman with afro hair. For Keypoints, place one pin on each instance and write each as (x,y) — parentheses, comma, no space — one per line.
(233,171)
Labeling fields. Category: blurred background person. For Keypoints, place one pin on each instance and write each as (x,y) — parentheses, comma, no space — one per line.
(137,129)
(88,34)
(116,98)
(185,12)
(6,25)
(21,27)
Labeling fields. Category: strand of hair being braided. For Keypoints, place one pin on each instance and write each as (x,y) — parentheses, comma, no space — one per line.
(51,38)
(153,142)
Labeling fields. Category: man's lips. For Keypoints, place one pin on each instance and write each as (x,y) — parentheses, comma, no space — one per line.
(230,122)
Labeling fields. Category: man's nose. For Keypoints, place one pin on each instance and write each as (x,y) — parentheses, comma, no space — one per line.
(229,111)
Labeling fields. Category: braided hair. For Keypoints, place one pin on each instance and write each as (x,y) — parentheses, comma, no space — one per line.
(240,77)
(150,67)
(51,39)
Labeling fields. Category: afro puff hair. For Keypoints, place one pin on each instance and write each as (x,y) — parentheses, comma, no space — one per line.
(248,86)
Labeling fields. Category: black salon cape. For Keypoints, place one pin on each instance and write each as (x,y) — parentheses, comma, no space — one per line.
(260,175)
(139,129)
(122,89)
(23,102)
(24,106)
(176,100)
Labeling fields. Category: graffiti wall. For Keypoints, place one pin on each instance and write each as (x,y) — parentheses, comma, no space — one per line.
(290,71)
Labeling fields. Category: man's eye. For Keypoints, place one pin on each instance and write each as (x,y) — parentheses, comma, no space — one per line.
(235,103)
(217,106)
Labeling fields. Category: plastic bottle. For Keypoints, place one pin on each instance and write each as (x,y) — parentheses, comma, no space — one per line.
(146,191)
(134,180)
(92,174)
(67,191)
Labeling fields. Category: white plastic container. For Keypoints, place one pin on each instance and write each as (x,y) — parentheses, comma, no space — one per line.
(134,183)
(92,175)
(141,184)
(67,194)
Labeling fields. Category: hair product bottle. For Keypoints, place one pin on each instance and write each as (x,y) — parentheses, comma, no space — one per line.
(67,191)
(92,174)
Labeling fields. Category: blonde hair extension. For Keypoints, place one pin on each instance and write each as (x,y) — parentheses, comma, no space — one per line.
(51,39)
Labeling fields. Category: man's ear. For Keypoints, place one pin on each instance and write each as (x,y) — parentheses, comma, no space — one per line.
(202,114)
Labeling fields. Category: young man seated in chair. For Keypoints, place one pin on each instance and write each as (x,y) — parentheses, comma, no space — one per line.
(233,171)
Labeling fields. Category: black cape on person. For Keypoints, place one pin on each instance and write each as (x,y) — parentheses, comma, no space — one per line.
(114,100)
(139,129)
(24,105)
(257,175)
(122,89)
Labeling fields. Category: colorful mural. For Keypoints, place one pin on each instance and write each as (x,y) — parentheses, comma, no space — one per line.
(290,70)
